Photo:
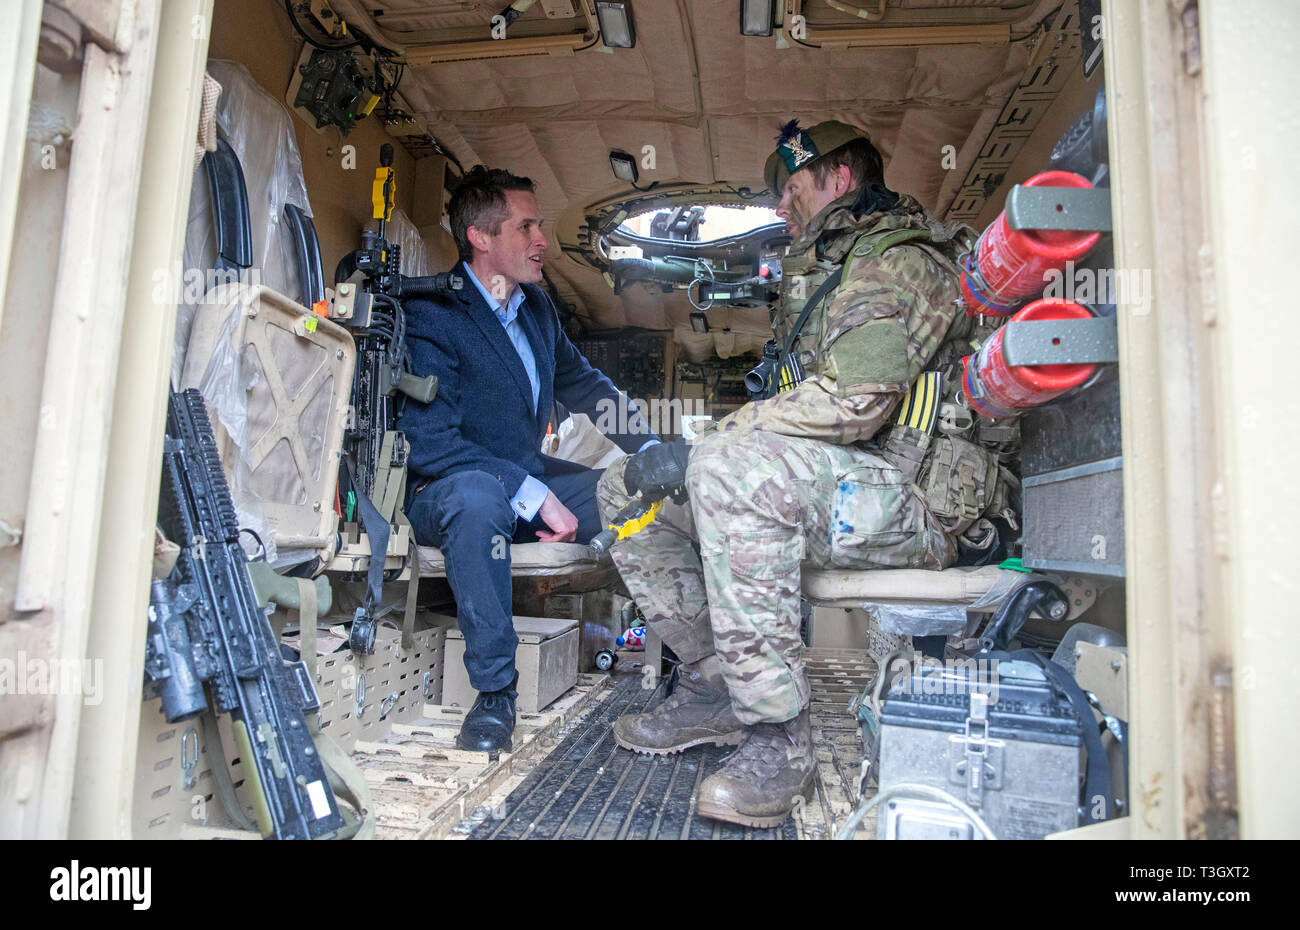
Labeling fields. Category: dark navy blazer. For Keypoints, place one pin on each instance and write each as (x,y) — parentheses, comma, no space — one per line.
(482,417)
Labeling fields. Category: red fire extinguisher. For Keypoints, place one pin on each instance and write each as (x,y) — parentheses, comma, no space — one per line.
(1009,265)
(995,389)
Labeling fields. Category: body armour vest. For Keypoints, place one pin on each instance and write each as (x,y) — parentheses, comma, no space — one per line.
(933,439)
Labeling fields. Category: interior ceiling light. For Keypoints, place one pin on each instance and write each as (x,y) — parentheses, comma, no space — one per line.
(624,166)
(616,27)
(756,17)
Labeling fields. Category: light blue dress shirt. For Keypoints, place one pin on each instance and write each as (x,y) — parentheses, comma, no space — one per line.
(532,493)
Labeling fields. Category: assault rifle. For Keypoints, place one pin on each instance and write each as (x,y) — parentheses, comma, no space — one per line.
(205,627)
(369,288)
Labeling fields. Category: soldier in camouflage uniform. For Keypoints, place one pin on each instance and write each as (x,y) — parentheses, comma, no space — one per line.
(815,473)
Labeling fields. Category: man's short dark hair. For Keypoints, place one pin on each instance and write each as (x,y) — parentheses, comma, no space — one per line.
(480,200)
(862,158)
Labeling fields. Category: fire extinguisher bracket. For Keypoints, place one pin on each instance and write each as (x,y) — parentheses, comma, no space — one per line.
(1060,342)
(1063,208)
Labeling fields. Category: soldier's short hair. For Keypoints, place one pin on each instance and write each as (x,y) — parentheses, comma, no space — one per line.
(480,200)
(863,160)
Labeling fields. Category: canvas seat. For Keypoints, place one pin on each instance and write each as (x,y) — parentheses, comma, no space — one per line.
(854,588)
(536,559)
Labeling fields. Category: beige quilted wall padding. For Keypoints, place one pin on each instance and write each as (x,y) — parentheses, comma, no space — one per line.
(709,100)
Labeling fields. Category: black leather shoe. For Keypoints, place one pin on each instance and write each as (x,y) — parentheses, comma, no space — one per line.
(490,721)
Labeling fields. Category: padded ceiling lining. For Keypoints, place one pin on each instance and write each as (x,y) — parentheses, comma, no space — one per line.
(709,100)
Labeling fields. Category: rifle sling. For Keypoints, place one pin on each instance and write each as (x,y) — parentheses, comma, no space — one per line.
(221,771)
(307,624)
(828,285)
(412,586)
(376,527)
(349,783)
(873,246)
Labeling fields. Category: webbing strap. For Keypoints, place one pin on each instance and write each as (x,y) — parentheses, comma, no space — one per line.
(348,782)
(789,372)
(345,778)
(221,771)
(828,285)
(377,529)
(867,246)
(412,587)
(1097,783)
(390,482)
(920,408)
(307,610)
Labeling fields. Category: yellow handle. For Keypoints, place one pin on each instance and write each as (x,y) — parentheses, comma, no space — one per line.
(383,206)
(637,524)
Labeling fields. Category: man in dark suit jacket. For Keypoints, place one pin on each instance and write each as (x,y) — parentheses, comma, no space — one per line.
(477,476)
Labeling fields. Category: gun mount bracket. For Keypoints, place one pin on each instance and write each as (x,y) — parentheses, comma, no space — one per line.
(1061,342)
(1059,208)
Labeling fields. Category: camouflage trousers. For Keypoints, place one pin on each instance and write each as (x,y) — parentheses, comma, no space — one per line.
(761,506)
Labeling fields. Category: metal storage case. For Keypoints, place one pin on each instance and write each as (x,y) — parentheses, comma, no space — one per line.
(939,720)
(547,660)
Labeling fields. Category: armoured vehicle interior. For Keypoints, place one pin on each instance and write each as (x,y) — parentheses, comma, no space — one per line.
(218,208)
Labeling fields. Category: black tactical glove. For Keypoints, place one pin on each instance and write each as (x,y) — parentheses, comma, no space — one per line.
(658,471)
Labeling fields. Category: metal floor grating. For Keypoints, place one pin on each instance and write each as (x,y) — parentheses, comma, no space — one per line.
(591,788)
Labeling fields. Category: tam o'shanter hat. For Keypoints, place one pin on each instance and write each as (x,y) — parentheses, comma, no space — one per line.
(797,148)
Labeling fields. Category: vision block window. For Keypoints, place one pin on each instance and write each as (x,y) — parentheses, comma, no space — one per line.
(698,222)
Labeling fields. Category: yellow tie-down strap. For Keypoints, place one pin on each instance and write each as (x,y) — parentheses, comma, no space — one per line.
(639,523)
(920,408)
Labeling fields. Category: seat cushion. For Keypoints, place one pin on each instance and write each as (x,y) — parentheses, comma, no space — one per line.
(853,588)
(539,558)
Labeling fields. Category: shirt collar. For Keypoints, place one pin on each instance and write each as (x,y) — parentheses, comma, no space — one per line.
(506,314)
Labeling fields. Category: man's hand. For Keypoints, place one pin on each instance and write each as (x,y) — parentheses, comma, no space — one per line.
(657,471)
(563,524)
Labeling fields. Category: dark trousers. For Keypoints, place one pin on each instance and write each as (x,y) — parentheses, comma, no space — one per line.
(468,516)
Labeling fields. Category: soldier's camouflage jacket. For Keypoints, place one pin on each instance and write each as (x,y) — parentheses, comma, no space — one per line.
(821,473)
(865,344)
(895,314)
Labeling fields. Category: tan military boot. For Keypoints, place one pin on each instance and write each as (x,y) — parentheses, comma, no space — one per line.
(698,712)
(758,783)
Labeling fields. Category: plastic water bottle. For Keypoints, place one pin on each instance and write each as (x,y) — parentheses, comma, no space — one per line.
(633,638)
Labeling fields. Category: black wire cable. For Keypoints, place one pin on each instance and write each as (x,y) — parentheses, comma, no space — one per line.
(743,196)
(1042,25)
(293,20)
